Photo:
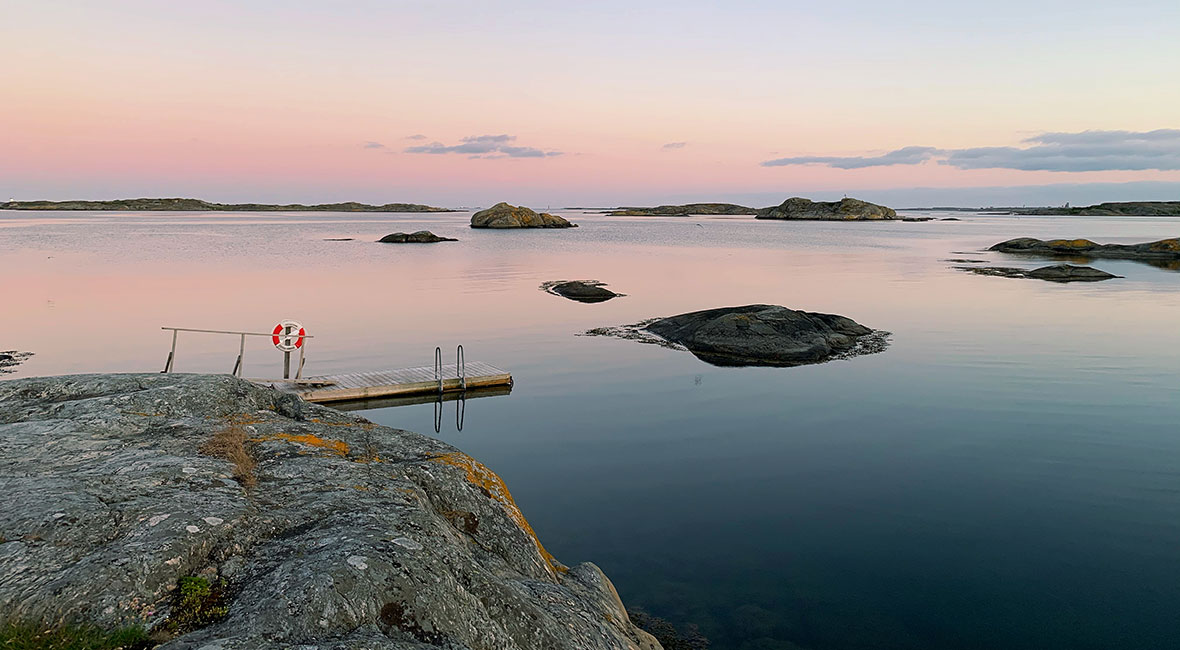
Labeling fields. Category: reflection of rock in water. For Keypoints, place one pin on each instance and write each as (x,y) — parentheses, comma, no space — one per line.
(9,359)
(756,335)
(580,290)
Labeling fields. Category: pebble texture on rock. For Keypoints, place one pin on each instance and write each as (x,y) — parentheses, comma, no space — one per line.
(503,215)
(843,210)
(322,529)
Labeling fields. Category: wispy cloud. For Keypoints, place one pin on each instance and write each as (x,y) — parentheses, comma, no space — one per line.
(416,136)
(674,145)
(1061,152)
(373,145)
(484,146)
(903,156)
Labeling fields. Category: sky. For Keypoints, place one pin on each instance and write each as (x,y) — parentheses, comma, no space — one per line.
(591,103)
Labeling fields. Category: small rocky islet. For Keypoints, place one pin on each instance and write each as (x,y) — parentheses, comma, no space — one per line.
(757,335)
(293,525)
(1055,273)
(1164,250)
(503,215)
(419,237)
(589,291)
(793,209)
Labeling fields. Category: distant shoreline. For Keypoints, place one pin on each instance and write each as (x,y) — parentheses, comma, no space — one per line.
(197,205)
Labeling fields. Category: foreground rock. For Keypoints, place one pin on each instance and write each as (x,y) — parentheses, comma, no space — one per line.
(1165,250)
(1055,273)
(503,215)
(758,335)
(317,528)
(580,290)
(842,210)
(420,237)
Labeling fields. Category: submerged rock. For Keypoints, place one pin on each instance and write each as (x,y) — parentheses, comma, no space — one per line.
(580,290)
(1055,273)
(757,335)
(317,528)
(10,359)
(503,215)
(1164,250)
(420,237)
(843,210)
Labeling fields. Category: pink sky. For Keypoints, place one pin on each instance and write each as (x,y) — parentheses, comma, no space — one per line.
(275,101)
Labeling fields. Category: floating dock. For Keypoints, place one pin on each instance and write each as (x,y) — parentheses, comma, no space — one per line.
(404,382)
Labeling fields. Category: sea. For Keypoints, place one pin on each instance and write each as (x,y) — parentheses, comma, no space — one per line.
(1005,475)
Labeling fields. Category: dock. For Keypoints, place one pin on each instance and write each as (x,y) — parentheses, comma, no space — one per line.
(403,382)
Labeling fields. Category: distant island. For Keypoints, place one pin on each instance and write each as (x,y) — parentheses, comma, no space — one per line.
(683,210)
(1126,209)
(197,205)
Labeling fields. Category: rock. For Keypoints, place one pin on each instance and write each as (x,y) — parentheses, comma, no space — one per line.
(420,237)
(1130,208)
(1165,250)
(503,215)
(917,219)
(198,205)
(843,210)
(580,290)
(950,219)
(315,527)
(1055,273)
(759,335)
(10,359)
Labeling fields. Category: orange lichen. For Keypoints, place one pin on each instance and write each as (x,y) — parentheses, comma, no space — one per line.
(335,447)
(493,486)
(1071,243)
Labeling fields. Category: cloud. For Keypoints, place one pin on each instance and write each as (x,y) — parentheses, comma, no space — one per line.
(903,156)
(1078,152)
(416,136)
(674,145)
(480,146)
(373,145)
(1060,152)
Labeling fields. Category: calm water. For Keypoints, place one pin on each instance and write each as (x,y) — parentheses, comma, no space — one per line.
(1005,475)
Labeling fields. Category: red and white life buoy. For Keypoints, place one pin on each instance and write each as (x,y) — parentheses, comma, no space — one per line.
(288,335)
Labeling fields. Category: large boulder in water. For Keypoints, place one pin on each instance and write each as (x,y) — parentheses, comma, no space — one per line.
(843,210)
(765,335)
(296,525)
(503,215)
(580,290)
(1164,250)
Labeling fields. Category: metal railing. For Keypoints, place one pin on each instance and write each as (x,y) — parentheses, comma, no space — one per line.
(460,368)
(237,371)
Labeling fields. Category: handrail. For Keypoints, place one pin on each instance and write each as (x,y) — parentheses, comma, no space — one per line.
(188,329)
(461,367)
(438,375)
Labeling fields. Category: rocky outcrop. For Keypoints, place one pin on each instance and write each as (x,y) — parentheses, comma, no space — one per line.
(197,205)
(756,335)
(843,210)
(315,528)
(1055,273)
(580,290)
(420,237)
(686,210)
(1165,250)
(503,215)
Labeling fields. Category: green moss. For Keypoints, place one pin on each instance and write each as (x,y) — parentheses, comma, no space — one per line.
(31,636)
(198,603)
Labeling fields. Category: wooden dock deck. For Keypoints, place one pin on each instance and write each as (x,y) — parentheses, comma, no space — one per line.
(403,382)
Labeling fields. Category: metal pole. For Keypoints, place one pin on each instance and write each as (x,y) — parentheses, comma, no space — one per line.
(171,353)
(299,372)
(241,354)
(286,353)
